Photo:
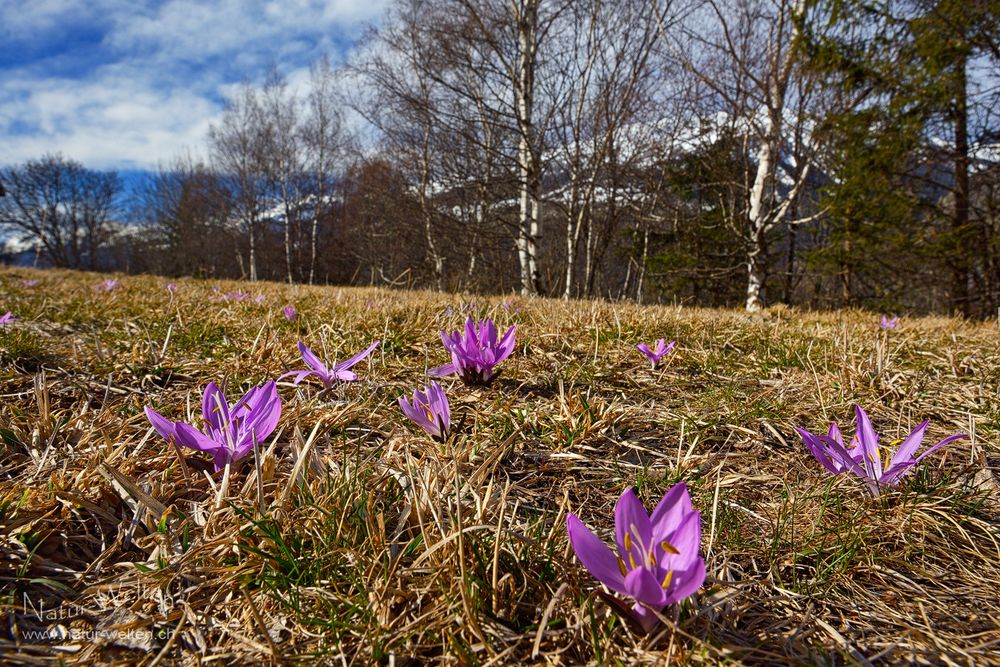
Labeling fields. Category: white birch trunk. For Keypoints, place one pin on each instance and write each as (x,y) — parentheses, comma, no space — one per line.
(760,218)
(756,217)
(528,204)
(425,169)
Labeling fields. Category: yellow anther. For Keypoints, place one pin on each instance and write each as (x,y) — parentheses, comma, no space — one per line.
(628,542)
(669,548)
(621,566)
(631,560)
(667,579)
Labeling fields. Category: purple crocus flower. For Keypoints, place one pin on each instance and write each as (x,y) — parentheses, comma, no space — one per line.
(657,563)
(475,355)
(238,295)
(509,305)
(429,410)
(230,430)
(863,456)
(289,312)
(339,371)
(29,283)
(662,350)
(108,285)
(7,317)
(259,299)
(888,323)
(171,287)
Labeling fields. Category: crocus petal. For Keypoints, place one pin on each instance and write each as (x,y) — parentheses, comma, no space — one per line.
(298,375)
(645,616)
(344,365)
(642,347)
(220,458)
(644,587)
(192,438)
(821,453)
(215,407)
(488,334)
(312,360)
(869,444)
(443,371)
(422,412)
(595,555)
(672,508)
(891,476)
(947,441)
(163,426)
(685,540)
(686,582)
(910,446)
(632,520)
(839,452)
(506,344)
(265,418)
(413,411)
(438,404)
(471,333)
(835,433)
(253,399)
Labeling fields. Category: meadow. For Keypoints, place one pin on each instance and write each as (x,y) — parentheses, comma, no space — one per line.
(349,536)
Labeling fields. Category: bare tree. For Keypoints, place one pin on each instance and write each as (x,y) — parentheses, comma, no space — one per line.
(603,126)
(62,207)
(186,208)
(324,143)
(484,58)
(281,155)
(747,55)
(403,104)
(237,147)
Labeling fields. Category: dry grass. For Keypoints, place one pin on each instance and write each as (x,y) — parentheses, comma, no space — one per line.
(352,538)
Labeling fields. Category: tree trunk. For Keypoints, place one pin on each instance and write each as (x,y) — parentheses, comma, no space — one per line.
(253,251)
(312,244)
(527,160)
(960,298)
(757,218)
(790,265)
(756,274)
(425,169)
(642,266)
(288,228)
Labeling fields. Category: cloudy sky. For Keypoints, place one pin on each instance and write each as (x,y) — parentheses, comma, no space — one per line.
(127,84)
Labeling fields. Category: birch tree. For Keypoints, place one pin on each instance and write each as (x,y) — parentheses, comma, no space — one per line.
(601,128)
(236,145)
(747,55)
(496,55)
(325,143)
(282,163)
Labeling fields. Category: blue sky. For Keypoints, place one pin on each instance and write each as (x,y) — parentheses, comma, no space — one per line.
(129,84)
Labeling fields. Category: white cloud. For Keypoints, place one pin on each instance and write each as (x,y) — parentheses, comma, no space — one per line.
(103,122)
(160,73)
(24,19)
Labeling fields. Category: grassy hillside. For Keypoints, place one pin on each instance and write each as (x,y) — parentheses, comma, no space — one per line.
(356,538)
